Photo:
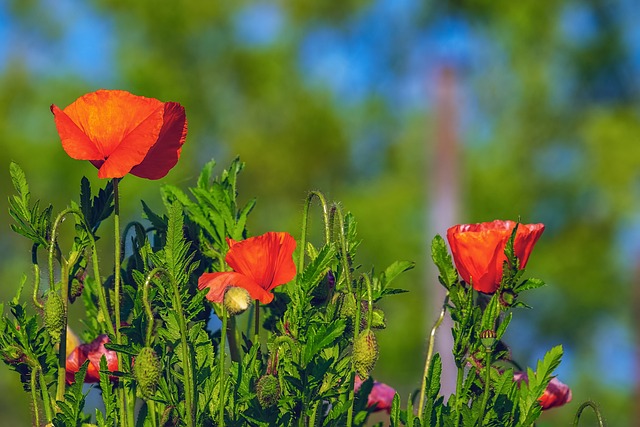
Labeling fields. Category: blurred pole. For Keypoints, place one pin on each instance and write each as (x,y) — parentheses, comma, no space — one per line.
(444,195)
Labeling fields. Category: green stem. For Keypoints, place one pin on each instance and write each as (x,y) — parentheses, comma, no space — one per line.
(152,412)
(487,384)
(352,372)
(221,378)
(34,398)
(186,356)
(46,398)
(427,363)
(232,339)
(123,395)
(305,219)
(256,323)
(62,347)
(343,247)
(147,306)
(36,277)
(367,281)
(459,380)
(592,405)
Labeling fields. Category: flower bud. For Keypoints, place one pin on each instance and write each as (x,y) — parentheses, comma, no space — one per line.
(365,353)
(236,300)
(147,371)
(268,390)
(54,316)
(507,298)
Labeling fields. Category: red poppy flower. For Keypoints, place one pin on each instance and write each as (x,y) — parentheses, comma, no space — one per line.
(478,250)
(556,393)
(380,397)
(121,133)
(92,351)
(259,264)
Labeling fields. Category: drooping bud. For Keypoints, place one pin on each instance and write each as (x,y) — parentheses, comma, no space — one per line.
(268,390)
(54,316)
(236,300)
(365,353)
(147,371)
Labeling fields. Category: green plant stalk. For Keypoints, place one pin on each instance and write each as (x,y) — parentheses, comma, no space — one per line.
(62,347)
(46,398)
(152,412)
(352,377)
(123,394)
(222,377)
(305,219)
(102,296)
(256,323)
(596,410)
(186,357)
(427,364)
(343,247)
(36,277)
(459,380)
(147,306)
(487,384)
(367,281)
(34,398)
(232,339)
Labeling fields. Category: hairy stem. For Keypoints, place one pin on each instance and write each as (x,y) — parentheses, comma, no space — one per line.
(62,348)
(222,376)
(427,363)
(305,219)
(596,410)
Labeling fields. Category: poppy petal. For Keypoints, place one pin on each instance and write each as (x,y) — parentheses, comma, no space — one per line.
(74,141)
(267,259)
(219,282)
(166,151)
(113,128)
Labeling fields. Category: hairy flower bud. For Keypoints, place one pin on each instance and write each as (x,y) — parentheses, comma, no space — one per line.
(236,300)
(268,390)
(147,371)
(54,316)
(365,353)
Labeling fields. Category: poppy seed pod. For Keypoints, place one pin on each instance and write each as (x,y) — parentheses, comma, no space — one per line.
(54,316)
(236,300)
(268,390)
(147,371)
(365,353)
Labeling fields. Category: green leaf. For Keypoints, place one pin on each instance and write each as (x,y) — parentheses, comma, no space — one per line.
(442,260)
(528,284)
(394,417)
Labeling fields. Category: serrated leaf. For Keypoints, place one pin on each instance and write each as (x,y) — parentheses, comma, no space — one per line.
(442,260)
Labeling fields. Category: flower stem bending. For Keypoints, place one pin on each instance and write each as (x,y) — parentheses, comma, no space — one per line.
(592,405)
(221,378)
(427,364)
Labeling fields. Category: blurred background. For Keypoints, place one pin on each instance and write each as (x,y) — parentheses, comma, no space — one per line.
(417,115)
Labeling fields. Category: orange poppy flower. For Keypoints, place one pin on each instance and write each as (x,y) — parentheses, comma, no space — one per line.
(92,351)
(478,250)
(556,394)
(121,133)
(259,264)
